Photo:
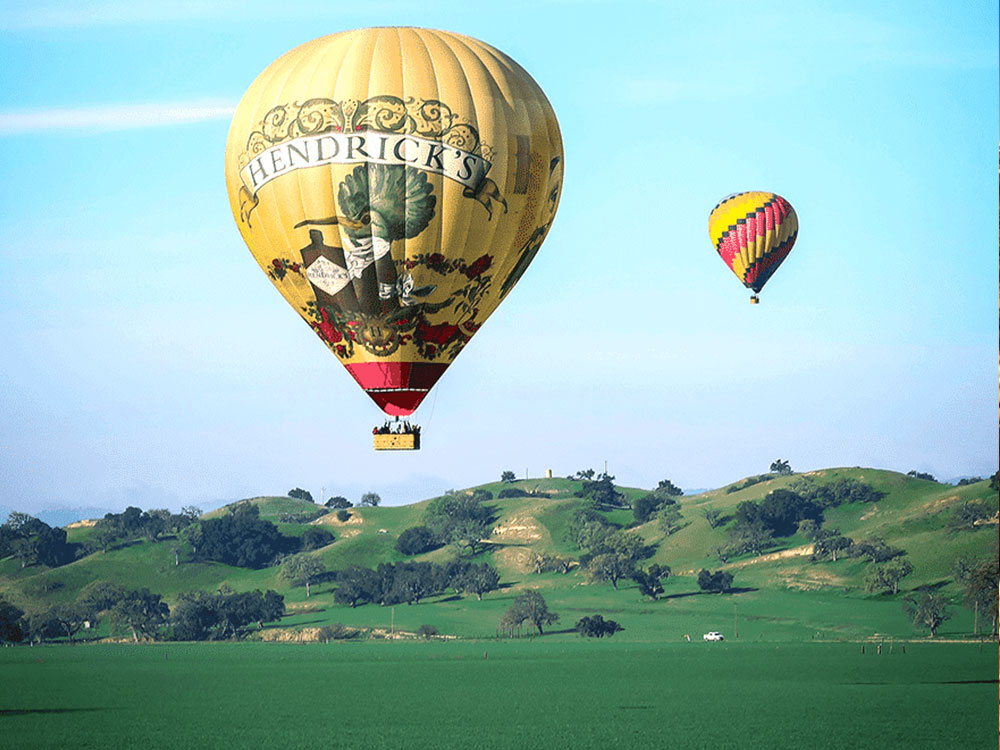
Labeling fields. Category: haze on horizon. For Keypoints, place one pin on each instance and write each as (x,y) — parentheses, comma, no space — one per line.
(147,361)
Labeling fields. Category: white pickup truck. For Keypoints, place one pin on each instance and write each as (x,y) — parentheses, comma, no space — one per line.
(713,636)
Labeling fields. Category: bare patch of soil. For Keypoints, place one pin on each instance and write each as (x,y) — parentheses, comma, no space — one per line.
(518,529)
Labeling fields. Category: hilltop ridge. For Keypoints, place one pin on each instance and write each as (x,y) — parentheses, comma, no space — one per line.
(540,521)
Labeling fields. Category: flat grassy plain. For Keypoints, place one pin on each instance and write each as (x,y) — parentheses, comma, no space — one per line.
(530,693)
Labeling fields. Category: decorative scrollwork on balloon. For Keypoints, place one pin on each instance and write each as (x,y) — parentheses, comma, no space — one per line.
(274,126)
(317,116)
(428,118)
(462,136)
(385,114)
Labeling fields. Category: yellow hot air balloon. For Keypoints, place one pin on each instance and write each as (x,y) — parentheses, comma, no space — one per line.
(753,233)
(394,184)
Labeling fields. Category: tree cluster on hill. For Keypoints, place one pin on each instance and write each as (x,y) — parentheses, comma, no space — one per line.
(595,626)
(781,467)
(240,538)
(799,507)
(838,492)
(608,554)
(828,543)
(600,490)
(920,475)
(528,607)
(507,477)
(409,582)
(118,529)
(646,506)
(462,520)
(34,542)
(338,502)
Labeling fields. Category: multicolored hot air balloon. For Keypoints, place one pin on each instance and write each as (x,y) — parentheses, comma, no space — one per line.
(753,233)
(394,184)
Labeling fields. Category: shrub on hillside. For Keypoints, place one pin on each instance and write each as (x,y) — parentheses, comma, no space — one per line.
(315,537)
(510,492)
(645,507)
(720,582)
(415,540)
(967,515)
(835,493)
(876,550)
(427,631)
(596,626)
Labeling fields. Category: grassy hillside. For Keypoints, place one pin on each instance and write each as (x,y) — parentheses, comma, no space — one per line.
(780,595)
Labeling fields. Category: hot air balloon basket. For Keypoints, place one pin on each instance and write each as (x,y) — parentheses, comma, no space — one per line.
(755,300)
(397,442)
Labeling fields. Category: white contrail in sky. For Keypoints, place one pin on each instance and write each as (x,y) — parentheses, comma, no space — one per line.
(113,117)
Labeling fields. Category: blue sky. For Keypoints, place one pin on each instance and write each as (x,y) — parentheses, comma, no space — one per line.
(127,378)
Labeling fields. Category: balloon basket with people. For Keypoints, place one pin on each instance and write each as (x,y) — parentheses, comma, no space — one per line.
(398,435)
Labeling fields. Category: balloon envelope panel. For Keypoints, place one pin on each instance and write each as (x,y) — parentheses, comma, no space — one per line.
(394,184)
(753,233)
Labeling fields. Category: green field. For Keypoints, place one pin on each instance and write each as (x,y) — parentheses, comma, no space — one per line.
(531,693)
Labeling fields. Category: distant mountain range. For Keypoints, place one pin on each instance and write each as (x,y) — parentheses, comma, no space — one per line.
(63,516)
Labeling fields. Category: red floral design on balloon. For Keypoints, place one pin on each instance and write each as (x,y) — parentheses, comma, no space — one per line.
(440,334)
(327,330)
(480,264)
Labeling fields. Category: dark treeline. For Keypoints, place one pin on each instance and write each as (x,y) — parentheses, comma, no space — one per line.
(409,582)
(34,542)
(240,538)
(141,614)
(119,529)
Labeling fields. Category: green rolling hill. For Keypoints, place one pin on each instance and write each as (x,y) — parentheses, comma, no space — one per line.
(780,594)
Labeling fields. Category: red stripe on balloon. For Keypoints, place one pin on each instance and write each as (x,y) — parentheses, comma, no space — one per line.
(396,387)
